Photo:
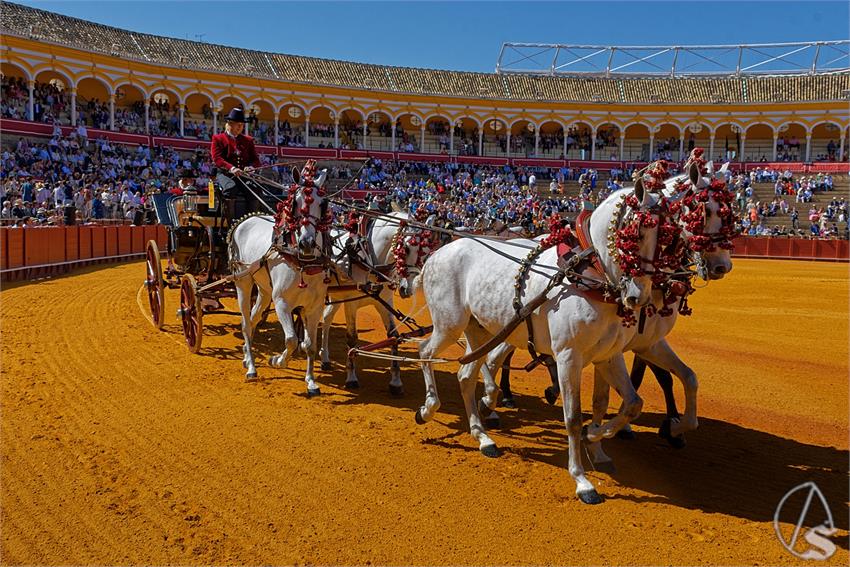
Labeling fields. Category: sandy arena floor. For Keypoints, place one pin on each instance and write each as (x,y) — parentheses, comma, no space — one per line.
(120,447)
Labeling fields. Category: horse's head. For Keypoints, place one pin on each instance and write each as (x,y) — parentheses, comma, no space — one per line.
(410,248)
(624,231)
(304,214)
(707,219)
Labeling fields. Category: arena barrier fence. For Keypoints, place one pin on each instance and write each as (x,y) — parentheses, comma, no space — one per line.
(26,128)
(778,248)
(35,252)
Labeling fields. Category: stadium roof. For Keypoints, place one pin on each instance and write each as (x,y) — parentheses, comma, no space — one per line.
(801,58)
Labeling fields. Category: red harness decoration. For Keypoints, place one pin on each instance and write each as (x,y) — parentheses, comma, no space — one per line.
(695,217)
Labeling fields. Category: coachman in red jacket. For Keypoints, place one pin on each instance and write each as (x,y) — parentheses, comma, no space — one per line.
(234,153)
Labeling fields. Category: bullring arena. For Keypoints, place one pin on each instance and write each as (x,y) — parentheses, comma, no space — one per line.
(120,446)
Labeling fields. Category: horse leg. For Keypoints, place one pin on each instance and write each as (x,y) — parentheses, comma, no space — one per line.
(505,383)
(243,299)
(569,378)
(439,340)
(327,320)
(311,329)
(396,385)
(552,392)
(615,372)
(467,376)
(351,381)
(661,355)
(601,461)
(488,403)
(284,315)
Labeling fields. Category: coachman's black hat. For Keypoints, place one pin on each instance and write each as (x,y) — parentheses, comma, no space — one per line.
(236,115)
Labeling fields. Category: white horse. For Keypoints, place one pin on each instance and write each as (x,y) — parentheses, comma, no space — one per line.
(281,277)
(387,239)
(651,345)
(713,262)
(469,286)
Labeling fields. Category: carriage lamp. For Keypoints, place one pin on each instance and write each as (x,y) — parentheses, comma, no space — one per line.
(190,201)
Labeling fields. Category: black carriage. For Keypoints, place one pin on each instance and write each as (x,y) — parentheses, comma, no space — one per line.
(197,256)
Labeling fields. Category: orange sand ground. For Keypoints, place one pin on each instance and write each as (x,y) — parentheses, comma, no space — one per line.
(120,447)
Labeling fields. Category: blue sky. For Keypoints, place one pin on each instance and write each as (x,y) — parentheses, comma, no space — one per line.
(463,36)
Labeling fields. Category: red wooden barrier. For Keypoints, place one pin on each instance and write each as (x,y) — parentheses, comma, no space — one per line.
(55,244)
(72,243)
(98,242)
(125,240)
(162,237)
(15,247)
(138,238)
(150,234)
(110,240)
(85,242)
(36,246)
(4,248)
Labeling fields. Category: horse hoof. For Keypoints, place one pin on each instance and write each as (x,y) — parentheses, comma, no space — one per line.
(493,421)
(490,451)
(508,403)
(313,392)
(396,391)
(418,417)
(677,442)
(626,434)
(606,467)
(251,377)
(326,366)
(590,496)
(353,385)
(551,395)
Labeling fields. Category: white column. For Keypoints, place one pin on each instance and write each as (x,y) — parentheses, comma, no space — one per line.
(593,144)
(481,140)
(741,155)
(508,144)
(307,131)
(452,140)
(31,103)
(808,147)
(536,142)
(422,139)
(775,141)
(182,112)
(276,129)
(841,148)
(336,133)
(651,146)
(392,133)
(112,112)
(365,127)
(711,146)
(564,136)
(622,145)
(147,116)
(681,146)
(215,122)
(73,108)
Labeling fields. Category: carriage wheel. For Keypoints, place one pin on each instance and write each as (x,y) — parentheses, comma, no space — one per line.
(191,313)
(154,285)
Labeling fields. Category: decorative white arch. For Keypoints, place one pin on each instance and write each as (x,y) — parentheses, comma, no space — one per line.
(59,71)
(109,90)
(279,108)
(141,88)
(15,64)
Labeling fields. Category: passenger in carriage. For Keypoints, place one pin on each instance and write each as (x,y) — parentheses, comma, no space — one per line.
(234,154)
